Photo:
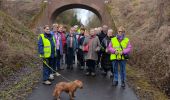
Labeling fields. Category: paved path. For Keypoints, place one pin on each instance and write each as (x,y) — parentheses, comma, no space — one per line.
(95,88)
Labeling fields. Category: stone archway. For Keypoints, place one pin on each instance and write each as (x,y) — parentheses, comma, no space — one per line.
(71,6)
(55,7)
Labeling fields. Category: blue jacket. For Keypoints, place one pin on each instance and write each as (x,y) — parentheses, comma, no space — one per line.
(75,42)
(41,45)
(60,44)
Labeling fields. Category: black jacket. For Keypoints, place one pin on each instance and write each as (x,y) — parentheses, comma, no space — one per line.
(105,59)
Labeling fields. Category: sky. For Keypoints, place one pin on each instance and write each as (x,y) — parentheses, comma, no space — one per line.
(84,15)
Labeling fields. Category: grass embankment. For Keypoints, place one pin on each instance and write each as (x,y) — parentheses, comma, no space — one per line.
(142,85)
(35,18)
(18,52)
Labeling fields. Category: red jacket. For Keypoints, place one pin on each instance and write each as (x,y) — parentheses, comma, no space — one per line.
(63,38)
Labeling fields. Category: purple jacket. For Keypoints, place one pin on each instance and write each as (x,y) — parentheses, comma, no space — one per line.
(125,51)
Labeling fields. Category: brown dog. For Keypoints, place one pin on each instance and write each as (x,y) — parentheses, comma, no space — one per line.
(68,87)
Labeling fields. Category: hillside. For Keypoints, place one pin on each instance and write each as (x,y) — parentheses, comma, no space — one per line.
(22,10)
(18,58)
(148,26)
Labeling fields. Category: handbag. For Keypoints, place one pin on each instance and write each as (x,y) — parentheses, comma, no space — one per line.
(126,56)
(86,47)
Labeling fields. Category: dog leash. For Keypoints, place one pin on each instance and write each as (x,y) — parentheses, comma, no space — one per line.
(56,71)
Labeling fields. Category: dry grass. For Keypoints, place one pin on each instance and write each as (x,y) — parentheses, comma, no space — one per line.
(143,86)
(147,23)
(17,45)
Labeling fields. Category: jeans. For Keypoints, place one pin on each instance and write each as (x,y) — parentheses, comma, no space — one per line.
(58,59)
(46,70)
(122,64)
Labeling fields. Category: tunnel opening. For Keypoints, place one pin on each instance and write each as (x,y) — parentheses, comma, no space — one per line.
(64,8)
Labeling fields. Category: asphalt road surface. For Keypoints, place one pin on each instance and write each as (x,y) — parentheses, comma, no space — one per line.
(95,88)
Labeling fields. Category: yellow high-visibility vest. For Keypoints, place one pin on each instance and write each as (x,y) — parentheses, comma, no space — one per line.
(116,46)
(47,46)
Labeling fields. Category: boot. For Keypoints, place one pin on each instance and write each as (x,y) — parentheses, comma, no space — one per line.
(68,66)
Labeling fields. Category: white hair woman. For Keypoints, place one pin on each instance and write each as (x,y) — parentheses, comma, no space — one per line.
(91,55)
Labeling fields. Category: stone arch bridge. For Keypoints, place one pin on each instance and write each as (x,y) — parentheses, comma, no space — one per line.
(55,7)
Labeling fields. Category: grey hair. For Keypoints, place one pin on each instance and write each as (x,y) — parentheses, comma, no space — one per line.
(110,30)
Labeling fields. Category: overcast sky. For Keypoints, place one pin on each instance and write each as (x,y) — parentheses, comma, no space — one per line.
(84,15)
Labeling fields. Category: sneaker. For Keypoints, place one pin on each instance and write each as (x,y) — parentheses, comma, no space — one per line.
(57,74)
(93,74)
(51,77)
(87,74)
(123,84)
(115,83)
(47,82)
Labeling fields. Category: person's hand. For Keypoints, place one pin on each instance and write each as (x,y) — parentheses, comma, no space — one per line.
(121,52)
(116,52)
(106,50)
(81,47)
(97,49)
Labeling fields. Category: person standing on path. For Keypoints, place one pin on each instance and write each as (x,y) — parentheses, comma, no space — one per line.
(105,55)
(91,55)
(72,46)
(58,44)
(80,53)
(119,47)
(47,51)
(101,35)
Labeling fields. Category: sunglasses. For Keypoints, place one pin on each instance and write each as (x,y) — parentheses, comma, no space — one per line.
(121,31)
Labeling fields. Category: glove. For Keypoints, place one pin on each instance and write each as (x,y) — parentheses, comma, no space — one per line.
(57,74)
(97,49)
(121,52)
(116,52)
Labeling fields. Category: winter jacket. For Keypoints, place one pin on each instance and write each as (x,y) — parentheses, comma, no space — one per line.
(81,38)
(94,47)
(125,51)
(60,41)
(74,43)
(105,58)
(101,36)
(41,45)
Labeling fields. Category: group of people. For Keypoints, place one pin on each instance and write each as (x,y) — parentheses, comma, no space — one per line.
(96,46)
